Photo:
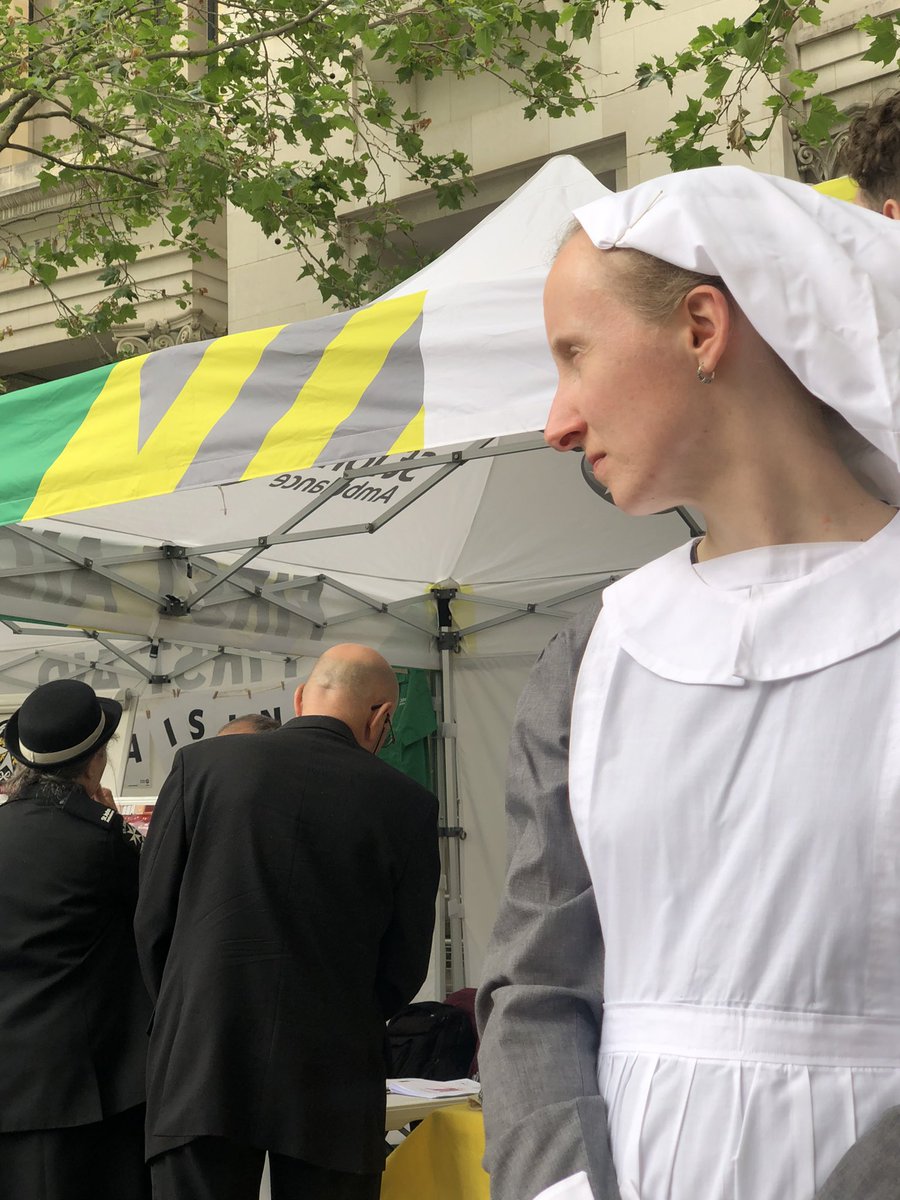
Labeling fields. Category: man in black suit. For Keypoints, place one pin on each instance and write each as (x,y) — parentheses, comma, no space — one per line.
(285,912)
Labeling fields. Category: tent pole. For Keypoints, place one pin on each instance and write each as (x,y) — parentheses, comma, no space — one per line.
(437,970)
(448,642)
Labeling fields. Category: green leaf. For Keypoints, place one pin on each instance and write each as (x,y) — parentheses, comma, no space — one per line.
(46,272)
(803,79)
(885,40)
(773,60)
(484,40)
(822,118)
(751,45)
(401,42)
(716,78)
(583,22)
(724,28)
(81,92)
(688,157)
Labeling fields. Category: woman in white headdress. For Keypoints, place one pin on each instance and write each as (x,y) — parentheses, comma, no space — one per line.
(731,342)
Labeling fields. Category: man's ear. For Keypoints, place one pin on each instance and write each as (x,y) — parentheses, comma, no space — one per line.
(373,720)
(891,208)
(298,701)
(708,318)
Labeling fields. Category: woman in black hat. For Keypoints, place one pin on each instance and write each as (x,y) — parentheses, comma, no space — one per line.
(73,1009)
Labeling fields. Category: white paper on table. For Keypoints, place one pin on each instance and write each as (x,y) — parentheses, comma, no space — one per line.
(576,1187)
(433,1089)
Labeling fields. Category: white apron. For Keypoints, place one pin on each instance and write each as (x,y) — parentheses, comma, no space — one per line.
(735,785)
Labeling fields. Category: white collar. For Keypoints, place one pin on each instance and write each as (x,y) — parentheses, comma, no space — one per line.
(671,622)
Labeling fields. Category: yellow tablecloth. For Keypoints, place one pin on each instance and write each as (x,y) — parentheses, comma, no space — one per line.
(440,1160)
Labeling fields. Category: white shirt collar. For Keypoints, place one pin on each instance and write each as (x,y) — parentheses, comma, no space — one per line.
(699,626)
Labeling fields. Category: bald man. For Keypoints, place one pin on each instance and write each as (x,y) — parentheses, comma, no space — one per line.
(285,913)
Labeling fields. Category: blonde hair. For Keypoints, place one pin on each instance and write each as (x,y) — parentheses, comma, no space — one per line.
(649,285)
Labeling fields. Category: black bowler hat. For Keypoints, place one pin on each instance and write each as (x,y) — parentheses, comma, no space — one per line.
(60,723)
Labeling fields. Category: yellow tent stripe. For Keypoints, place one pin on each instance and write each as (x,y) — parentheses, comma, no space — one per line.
(102,463)
(842,188)
(413,436)
(349,364)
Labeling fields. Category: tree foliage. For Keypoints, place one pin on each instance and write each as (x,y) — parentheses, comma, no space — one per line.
(164,110)
(156,113)
(734,57)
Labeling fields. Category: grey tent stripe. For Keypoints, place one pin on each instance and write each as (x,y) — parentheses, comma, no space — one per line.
(387,405)
(163,374)
(266,395)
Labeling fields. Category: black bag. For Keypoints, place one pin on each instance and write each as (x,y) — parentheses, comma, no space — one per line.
(430,1041)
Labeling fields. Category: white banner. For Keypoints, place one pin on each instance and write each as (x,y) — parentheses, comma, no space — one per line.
(163,724)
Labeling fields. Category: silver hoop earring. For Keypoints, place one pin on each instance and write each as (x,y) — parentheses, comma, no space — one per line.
(703,377)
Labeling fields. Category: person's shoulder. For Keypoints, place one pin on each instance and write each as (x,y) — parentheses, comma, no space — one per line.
(192,753)
(204,758)
(397,783)
(14,812)
(393,775)
(563,653)
(213,749)
(29,822)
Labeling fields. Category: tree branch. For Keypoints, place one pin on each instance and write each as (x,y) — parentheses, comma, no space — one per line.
(16,112)
(109,135)
(90,168)
(236,43)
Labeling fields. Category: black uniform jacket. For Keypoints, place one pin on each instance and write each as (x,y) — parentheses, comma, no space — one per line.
(73,1008)
(286,911)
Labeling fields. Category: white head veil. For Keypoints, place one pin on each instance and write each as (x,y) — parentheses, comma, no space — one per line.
(818,278)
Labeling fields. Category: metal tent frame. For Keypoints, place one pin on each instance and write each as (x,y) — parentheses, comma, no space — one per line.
(191,579)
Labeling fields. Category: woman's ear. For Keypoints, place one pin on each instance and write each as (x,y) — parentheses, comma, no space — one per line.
(708,315)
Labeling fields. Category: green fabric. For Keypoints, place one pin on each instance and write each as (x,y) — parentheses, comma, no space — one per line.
(414,722)
(33,440)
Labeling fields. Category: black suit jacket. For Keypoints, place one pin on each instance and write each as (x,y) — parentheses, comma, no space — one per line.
(73,1008)
(286,911)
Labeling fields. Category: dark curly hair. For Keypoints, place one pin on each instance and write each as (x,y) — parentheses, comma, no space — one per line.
(871,153)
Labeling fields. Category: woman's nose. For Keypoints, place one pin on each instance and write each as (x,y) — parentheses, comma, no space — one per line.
(564,429)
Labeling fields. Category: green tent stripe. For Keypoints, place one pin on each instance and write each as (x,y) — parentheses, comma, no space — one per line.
(35,427)
(32,621)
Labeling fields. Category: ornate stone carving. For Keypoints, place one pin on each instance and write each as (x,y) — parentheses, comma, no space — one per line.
(815,164)
(192,326)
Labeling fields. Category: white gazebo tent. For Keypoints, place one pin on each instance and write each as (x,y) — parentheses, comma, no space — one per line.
(463,553)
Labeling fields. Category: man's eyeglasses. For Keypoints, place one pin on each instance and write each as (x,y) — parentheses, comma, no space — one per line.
(389,741)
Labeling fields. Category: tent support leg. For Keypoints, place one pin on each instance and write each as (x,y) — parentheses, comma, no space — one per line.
(454,881)
(448,641)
